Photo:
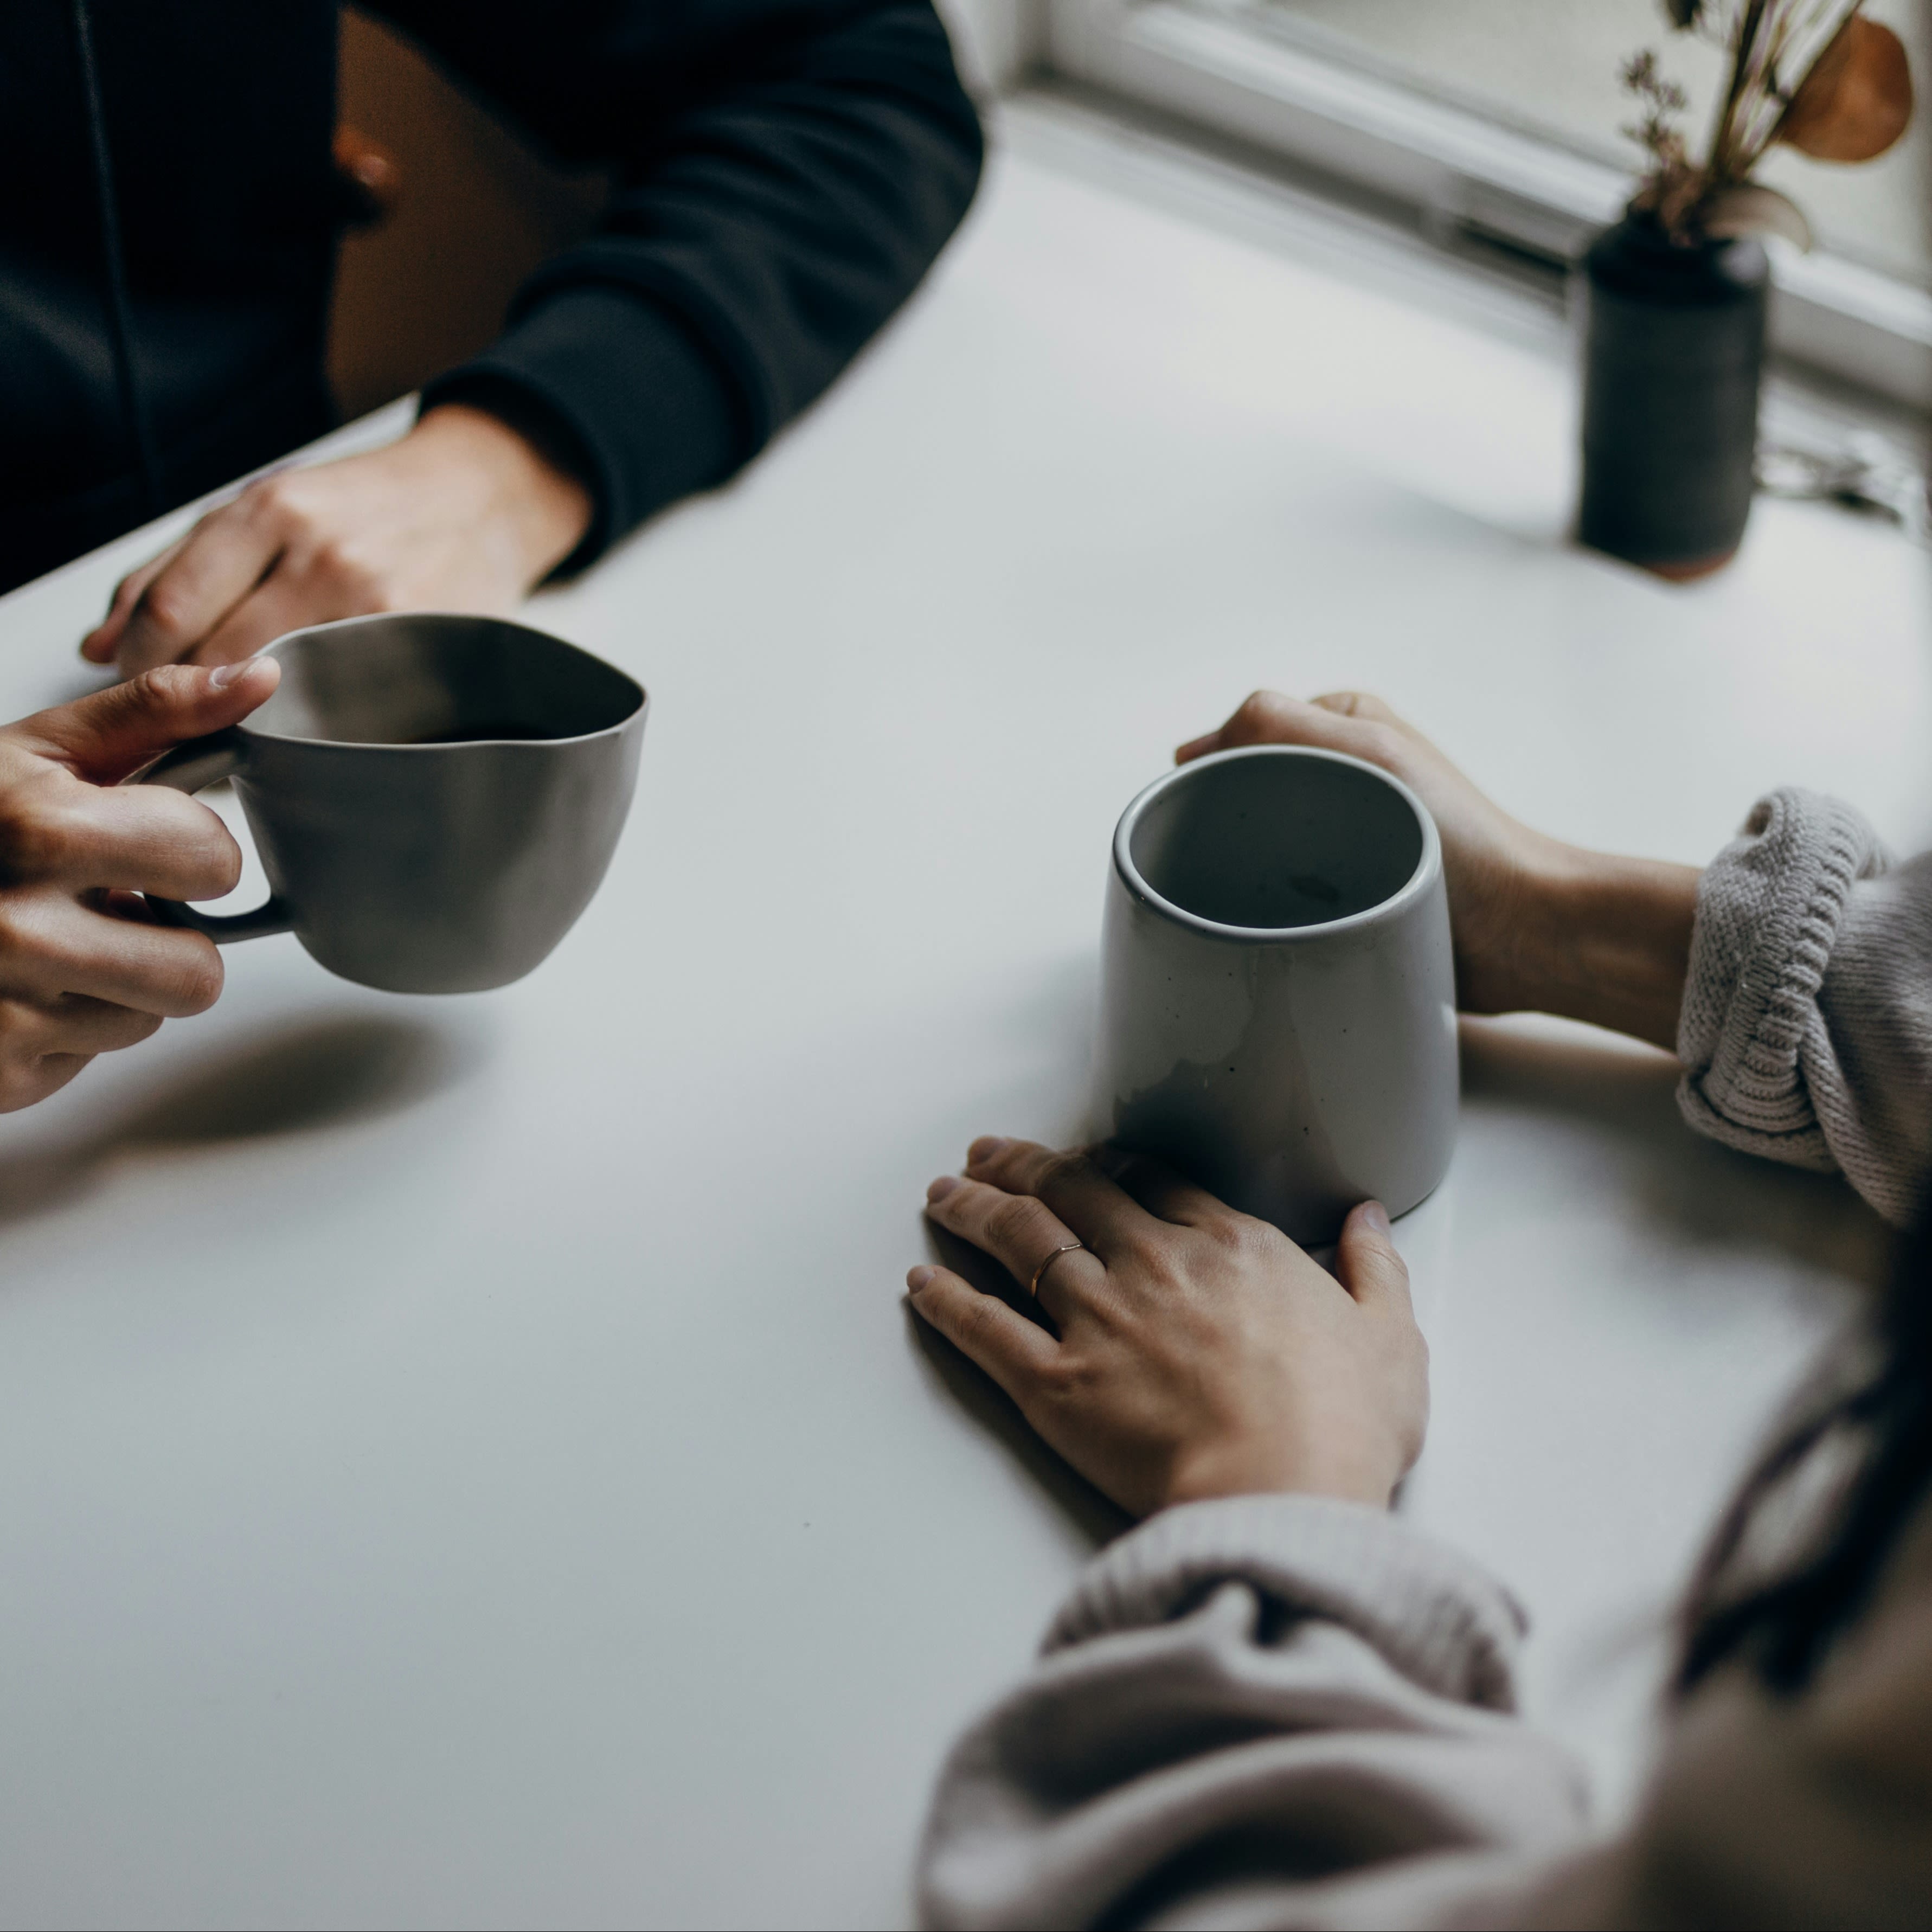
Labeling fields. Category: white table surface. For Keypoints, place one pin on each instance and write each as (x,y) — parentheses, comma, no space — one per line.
(463,1461)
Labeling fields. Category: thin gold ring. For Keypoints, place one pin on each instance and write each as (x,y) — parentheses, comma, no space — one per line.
(1039,1273)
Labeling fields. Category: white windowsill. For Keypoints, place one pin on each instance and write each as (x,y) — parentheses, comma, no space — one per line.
(1457,169)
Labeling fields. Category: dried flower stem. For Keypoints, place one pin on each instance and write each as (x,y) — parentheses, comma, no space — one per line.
(1772,46)
(1722,136)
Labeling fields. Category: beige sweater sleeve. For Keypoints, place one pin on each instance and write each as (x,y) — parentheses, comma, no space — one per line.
(1806,1030)
(1268,1710)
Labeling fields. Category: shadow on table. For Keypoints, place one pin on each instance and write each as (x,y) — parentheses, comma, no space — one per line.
(989,1405)
(326,1073)
(1710,1193)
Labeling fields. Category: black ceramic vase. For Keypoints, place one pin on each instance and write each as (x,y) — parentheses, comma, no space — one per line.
(1673,350)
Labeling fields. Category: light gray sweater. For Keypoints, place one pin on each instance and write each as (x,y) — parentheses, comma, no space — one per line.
(1287,1710)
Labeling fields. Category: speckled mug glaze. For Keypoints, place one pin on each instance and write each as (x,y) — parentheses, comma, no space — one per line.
(1278,999)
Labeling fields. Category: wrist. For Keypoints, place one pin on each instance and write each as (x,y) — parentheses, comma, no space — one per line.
(542,507)
(1607,939)
(1211,1476)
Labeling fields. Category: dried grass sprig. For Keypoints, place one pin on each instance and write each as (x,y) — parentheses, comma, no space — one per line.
(1815,74)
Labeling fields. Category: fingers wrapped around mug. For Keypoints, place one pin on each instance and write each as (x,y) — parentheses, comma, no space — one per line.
(1355,721)
(103,946)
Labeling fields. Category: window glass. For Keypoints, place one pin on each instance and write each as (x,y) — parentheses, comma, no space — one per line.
(1551,66)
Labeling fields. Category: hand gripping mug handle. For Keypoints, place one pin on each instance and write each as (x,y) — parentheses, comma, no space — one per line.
(188,768)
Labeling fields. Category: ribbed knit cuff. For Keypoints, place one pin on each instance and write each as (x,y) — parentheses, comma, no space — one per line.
(635,407)
(1432,1614)
(1768,910)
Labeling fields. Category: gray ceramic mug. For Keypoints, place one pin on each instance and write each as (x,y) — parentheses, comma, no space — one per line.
(1278,1000)
(435,799)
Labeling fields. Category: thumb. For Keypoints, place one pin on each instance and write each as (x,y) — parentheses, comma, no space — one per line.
(1366,1262)
(116,731)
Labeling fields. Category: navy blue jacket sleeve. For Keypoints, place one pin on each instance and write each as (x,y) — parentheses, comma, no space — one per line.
(786,171)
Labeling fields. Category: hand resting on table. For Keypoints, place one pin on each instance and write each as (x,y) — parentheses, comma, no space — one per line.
(1539,926)
(463,514)
(1195,1352)
(83,968)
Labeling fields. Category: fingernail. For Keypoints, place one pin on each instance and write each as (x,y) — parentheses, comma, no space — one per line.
(917,1278)
(986,1146)
(226,674)
(1375,1216)
(937,1190)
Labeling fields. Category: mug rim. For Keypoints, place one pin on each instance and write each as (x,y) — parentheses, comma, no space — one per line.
(1428,866)
(274,646)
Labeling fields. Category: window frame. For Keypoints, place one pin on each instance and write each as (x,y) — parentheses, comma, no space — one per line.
(1458,174)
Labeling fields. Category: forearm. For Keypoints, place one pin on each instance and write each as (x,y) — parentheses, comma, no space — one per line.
(466,513)
(1807,1035)
(1789,975)
(786,171)
(1607,939)
(1310,1677)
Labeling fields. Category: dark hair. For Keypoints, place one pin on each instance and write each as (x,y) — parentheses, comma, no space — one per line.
(1878,1421)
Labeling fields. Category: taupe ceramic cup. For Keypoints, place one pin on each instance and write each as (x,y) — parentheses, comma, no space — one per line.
(1278,1001)
(435,799)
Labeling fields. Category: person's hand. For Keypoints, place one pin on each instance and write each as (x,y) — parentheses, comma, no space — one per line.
(84,969)
(463,514)
(1537,925)
(1199,1353)
(1497,870)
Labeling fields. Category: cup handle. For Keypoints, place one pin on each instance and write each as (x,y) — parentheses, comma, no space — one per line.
(188,768)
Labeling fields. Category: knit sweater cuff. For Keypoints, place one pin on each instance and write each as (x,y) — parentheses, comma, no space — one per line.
(1769,910)
(628,399)
(1432,1614)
